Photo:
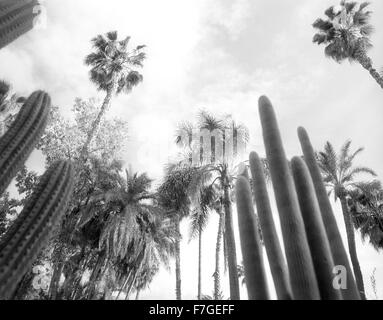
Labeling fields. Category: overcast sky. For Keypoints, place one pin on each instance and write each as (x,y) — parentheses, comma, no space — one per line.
(220,55)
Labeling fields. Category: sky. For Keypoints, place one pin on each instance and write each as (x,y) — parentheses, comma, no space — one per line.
(219,55)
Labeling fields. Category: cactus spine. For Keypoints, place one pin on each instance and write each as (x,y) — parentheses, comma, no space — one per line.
(28,234)
(250,243)
(337,247)
(16,18)
(315,230)
(277,262)
(301,269)
(18,142)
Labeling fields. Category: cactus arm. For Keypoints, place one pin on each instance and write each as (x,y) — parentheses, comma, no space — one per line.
(274,252)
(16,18)
(315,230)
(22,243)
(250,243)
(336,244)
(18,142)
(301,269)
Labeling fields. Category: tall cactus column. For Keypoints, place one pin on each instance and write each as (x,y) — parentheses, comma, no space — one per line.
(23,241)
(16,18)
(301,269)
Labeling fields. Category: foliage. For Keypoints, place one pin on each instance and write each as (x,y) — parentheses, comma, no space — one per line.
(345,31)
(113,65)
(366,207)
(64,138)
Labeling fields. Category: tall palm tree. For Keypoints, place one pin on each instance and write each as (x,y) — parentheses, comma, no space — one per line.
(173,195)
(366,207)
(346,34)
(219,172)
(113,70)
(339,174)
(199,220)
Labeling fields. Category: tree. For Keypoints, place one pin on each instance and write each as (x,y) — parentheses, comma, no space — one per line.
(199,220)
(366,206)
(218,172)
(173,196)
(113,71)
(64,138)
(346,33)
(339,174)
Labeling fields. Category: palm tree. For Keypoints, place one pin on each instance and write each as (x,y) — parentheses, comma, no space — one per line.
(219,173)
(338,174)
(366,207)
(173,196)
(346,33)
(199,220)
(114,71)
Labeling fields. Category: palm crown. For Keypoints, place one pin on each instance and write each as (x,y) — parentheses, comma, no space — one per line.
(345,31)
(114,66)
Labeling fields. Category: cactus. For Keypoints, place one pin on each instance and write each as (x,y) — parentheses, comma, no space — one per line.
(20,246)
(16,18)
(27,235)
(312,242)
(276,259)
(337,247)
(315,230)
(250,242)
(19,141)
(301,269)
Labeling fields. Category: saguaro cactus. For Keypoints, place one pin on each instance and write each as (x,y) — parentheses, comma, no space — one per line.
(250,242)
(19,141)
(312,242)
(337,247)
(301,269)
(274,252)
(16,18)
(26,237)
(22,243)
(315,230)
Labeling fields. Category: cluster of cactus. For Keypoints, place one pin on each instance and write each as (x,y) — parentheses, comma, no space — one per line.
(16,18)
(28,234)
(313,247)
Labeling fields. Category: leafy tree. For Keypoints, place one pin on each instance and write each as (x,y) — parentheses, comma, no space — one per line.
(346,34)
(64,138)
(113,71)
(366,206)
(339,174)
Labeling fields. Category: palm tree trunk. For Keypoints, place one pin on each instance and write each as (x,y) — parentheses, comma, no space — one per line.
(230,242)
(138,294)
(217,273)
(54,285)
(96,124)
(178,260)
(351,247)
(199,262)
(366,63)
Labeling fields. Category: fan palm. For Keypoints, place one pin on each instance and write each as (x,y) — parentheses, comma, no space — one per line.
(346,34)
(113,70)
(339,174)
(366,207)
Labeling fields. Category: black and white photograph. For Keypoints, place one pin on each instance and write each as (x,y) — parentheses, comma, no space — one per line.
(196,151)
